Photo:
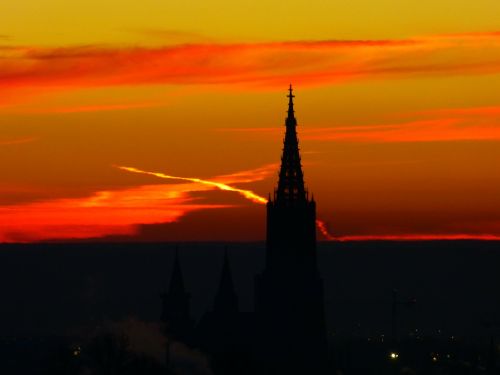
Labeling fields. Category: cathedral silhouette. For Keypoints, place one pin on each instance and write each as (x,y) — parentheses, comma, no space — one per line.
(287,331)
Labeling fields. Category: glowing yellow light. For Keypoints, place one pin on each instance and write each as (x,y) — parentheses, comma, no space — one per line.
(394,355)
(218,185)
(248,194)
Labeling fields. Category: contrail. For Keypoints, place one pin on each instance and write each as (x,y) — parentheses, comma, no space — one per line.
(321,225)
(219,185)
(248,194)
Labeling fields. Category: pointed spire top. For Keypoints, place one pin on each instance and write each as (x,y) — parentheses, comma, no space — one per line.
(176,281)
(291,180)
(226,299)
(226,278)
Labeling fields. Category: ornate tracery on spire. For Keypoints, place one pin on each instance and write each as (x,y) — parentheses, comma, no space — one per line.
(291,189)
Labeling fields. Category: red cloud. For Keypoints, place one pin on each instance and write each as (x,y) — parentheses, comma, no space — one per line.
(439,125)
(416,131)
(421,237)
(493,112)
(104,213)
(114,212)
(17,141)
(250,64)
(96,108)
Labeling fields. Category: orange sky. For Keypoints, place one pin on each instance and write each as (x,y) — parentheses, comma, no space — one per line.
(399,122)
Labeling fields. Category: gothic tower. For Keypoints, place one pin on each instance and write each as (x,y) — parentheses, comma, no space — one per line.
(289,293)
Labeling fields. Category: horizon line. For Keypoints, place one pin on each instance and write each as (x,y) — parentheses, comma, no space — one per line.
(342,239)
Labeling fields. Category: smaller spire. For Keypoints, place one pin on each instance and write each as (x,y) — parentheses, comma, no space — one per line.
(226,299)
(176,281)
(176,306)
(226,282)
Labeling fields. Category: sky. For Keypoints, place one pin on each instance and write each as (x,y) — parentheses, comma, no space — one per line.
(158,120)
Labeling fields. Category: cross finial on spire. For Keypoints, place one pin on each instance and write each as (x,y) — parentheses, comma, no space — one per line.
(290,102)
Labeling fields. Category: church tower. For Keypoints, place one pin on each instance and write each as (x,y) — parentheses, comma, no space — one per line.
(289,293)
(291,215)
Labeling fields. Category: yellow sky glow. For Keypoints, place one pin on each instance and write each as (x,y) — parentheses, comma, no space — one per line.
(397,105)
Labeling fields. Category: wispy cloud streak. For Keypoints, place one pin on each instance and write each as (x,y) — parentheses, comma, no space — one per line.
(95,108)
(321,225)
(437,130)
(219,185)
(118,212)
(248,194)
(17,141)
(249,64)
(421,237)
(103,213)
(437,125)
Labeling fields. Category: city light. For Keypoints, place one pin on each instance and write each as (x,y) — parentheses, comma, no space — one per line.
(77,351)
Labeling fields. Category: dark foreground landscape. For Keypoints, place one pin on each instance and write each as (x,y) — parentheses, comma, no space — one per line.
(60,301)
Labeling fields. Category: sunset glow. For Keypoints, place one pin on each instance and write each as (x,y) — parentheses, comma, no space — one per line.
(219,185)
(118,212)
(398,117)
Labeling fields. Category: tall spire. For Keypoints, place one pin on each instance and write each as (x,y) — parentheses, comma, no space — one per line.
(289,300)
(291,188)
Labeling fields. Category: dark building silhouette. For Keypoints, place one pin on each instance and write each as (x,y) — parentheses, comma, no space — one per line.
(287,331)
(178,324)
(289,293)
(226,300)
(225,333)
